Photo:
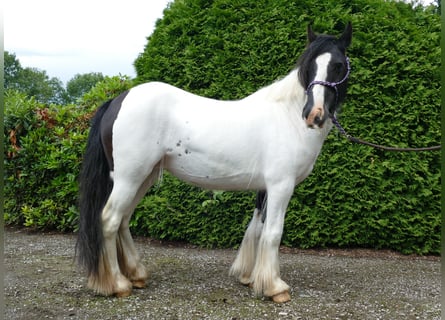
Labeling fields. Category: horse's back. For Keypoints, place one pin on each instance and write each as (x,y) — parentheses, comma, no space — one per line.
(200,140)
(211,143)
(162,95)
(171,111)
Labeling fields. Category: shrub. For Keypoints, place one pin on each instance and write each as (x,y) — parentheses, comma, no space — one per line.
(44,148)
(177,211)
(356,196)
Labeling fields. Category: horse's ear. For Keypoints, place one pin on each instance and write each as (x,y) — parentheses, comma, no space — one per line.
(346,37)
(311,36)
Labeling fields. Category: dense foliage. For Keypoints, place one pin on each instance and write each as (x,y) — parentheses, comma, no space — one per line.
(356,196)
(227,49)
(31,81)
(81,84)
(44,148)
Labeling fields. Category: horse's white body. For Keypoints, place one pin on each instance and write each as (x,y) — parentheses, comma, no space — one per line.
(247,144)
(268,141)
(261,142)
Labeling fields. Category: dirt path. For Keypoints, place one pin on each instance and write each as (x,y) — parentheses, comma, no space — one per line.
(41,282)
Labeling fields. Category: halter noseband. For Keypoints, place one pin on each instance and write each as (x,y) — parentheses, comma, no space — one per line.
(332,84)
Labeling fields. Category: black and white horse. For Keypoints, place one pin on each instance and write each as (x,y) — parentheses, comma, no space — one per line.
(268,141)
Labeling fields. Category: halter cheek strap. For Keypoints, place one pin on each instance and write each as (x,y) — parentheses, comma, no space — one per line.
(332,84)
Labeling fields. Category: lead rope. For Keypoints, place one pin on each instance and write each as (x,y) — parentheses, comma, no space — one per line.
(378,146)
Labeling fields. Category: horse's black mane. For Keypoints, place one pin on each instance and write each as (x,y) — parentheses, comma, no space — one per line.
(323,43)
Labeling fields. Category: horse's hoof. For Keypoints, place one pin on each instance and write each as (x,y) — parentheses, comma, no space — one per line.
(123,294)
(281,297)
(247,284)
(138,284)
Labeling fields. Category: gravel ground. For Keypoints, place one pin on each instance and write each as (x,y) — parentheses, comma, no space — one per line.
(42,282)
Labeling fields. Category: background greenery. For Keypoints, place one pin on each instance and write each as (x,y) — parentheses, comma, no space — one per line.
(227,49)
(37,84)
(44,148)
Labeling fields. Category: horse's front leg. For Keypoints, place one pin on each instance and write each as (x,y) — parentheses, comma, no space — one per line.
(245,260)
(266,273)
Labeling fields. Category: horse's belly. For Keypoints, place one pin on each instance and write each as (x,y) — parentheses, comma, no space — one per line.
(211,174)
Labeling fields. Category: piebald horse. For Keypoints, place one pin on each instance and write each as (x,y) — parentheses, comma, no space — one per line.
(268,141)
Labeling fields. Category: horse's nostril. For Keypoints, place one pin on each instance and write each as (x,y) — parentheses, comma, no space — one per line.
(318,121)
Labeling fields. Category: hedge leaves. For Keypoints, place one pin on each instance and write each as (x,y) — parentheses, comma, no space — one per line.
(356,196)
(227,49)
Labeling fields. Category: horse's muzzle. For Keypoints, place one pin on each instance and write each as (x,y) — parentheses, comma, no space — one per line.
(315,116)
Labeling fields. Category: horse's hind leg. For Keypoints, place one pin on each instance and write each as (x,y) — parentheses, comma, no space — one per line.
(127,187)
(109,279)
(128,256)
(245,260)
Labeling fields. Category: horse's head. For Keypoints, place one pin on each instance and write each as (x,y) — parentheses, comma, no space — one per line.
(323,71)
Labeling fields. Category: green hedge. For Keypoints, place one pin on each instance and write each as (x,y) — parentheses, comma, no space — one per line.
(356,196)
(177,211)
(44,149)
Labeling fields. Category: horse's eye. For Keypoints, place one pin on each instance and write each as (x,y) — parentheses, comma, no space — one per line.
(338,67)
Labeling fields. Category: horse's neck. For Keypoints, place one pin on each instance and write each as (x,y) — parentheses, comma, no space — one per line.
(288,93)
(287,90)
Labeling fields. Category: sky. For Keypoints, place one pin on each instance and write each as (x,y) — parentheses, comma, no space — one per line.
(65,37)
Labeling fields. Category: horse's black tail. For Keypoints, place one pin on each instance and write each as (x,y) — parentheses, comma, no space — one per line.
(95,188)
